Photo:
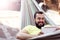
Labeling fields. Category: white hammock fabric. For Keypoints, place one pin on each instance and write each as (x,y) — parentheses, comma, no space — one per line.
(51,16)
(27,9)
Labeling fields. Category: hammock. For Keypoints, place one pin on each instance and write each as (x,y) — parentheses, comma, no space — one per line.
(27,9)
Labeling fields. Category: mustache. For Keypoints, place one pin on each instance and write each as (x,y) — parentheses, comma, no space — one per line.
(40,22)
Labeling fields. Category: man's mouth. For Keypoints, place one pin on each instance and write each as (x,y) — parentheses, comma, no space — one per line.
(40,23)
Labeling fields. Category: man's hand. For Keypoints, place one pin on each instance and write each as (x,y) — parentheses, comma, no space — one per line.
(57,29)
(40,33)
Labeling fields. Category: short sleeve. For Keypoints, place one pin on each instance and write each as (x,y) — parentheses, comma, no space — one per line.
(33,30)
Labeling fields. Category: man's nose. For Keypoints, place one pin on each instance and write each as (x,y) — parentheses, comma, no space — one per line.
(41,20)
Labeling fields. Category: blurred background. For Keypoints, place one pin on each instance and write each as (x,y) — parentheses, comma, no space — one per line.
(16,14)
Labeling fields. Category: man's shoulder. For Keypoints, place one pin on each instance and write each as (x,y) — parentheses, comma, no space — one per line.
(30,26)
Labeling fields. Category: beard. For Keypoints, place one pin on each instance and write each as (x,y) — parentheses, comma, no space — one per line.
(39,26)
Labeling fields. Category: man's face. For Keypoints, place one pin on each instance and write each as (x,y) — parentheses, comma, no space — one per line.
(40,20)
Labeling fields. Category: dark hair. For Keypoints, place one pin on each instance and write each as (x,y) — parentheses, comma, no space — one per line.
(38,1)
(37,13)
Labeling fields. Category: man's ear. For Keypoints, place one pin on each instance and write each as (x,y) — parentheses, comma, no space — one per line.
(34,21)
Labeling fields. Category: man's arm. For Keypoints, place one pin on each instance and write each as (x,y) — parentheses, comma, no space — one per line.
(24,35)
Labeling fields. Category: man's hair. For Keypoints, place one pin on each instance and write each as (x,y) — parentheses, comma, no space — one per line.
(38,1)
(39,12)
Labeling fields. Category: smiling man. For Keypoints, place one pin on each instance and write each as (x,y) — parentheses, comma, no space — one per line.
(30,30)
(33,31)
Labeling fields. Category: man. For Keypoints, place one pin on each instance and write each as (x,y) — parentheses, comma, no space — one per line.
(32,31)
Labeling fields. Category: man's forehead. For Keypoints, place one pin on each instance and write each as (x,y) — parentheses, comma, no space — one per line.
(39,15)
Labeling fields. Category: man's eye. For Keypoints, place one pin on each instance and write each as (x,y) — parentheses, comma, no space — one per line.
(42,18)
(39,18)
